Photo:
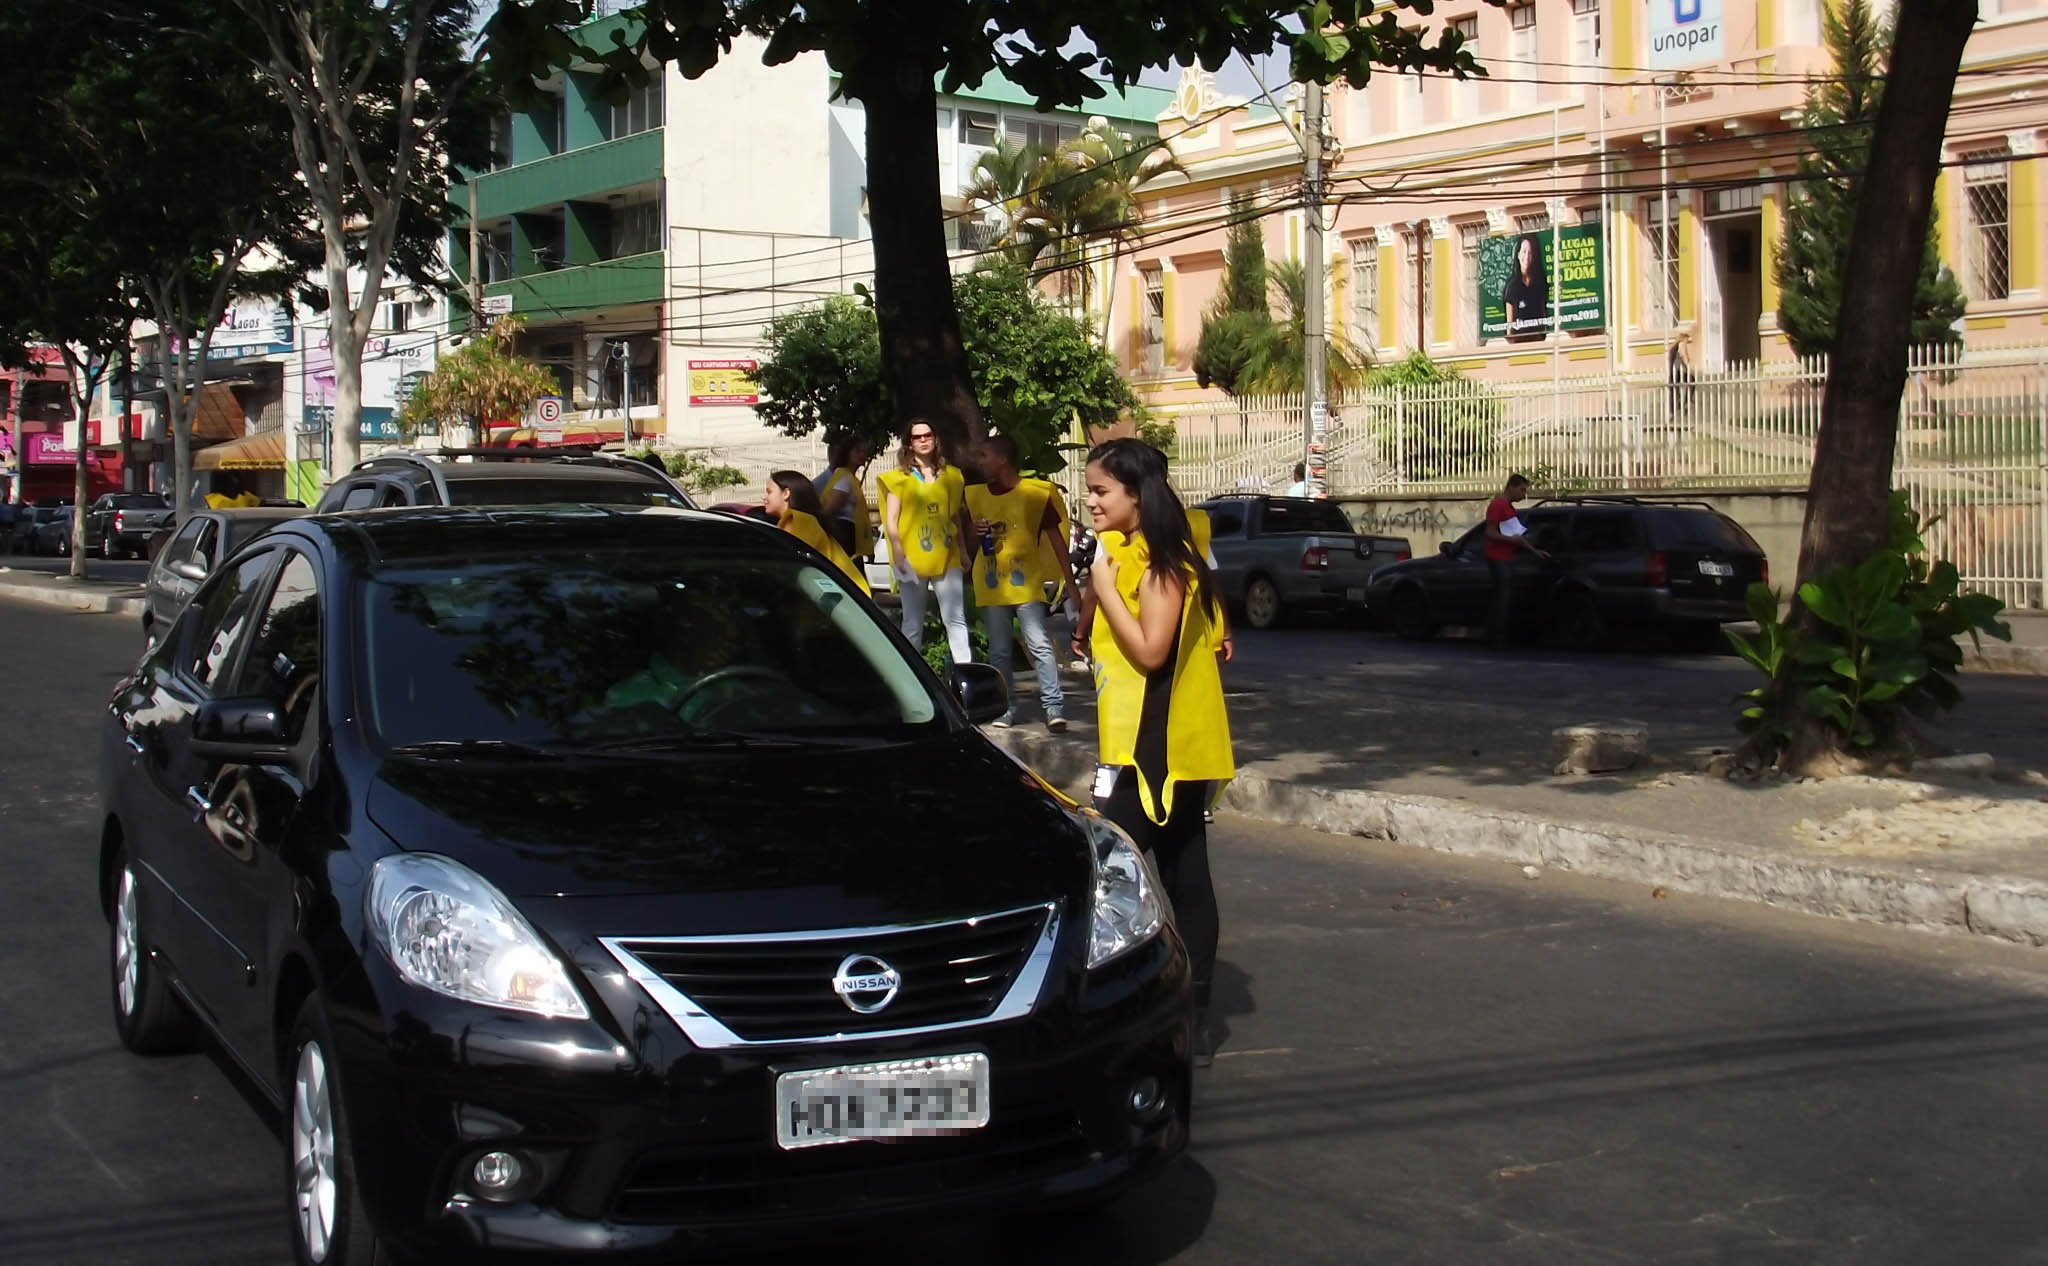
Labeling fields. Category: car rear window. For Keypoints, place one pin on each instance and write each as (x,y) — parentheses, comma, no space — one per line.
(139,501)
(566,490)
(240,530)
(1286,518)
(1701,529)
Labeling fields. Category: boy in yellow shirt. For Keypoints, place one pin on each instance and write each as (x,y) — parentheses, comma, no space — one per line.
(1017,538)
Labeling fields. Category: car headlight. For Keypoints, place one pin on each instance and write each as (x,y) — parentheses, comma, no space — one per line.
(447,930)
(1128,908)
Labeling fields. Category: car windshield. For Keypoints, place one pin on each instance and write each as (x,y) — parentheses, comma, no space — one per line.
(565,490)
(643,647)
(1703,529)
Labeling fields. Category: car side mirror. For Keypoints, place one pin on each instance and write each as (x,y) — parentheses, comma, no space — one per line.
(247,729)
(1446,548)
(188,569)
(981,691)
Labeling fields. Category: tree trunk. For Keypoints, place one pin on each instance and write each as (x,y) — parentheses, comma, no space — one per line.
(1848,499)
(345,352)
(924,361)
(80,484)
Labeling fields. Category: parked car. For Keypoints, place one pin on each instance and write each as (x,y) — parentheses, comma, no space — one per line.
(1279,555)
(192,554)
(500,476)
(1680,566)
(119,524)
(50,530)
(475,838)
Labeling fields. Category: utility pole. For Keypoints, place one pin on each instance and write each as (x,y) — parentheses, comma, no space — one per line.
(476,267)
(1315,361)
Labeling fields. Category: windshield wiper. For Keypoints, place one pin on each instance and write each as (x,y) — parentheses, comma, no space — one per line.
(477,747)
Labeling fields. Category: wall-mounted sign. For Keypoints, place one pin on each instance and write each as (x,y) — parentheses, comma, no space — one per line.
(723,382)
(1515,275)
(497,305)
(1684,33)
(252,327)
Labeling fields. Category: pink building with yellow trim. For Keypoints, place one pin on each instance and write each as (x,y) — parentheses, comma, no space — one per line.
(1583,121)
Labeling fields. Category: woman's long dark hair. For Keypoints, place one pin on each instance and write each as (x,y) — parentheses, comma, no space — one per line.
(802,495)
(1142,468)
(1535,245)
(840,449)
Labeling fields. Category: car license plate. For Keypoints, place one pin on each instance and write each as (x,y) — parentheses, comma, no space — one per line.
(1716,569)
(910,1098)
(1356,596)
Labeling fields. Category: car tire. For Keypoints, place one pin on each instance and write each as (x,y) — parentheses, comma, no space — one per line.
(1576,622)
(1699,637)
(1262,606)
(1408,615)
(148,1017)
(324,1201)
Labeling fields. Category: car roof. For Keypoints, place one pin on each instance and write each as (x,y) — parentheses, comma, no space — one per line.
(397,537)
(258,514)
(543,468)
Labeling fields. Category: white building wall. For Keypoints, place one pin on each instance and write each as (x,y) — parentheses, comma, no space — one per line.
(750,146)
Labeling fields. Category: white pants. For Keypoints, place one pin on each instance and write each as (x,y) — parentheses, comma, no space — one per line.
(952,591)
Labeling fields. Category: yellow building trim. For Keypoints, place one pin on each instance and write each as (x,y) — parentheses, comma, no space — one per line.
(1166,280)
(1688,284)
(1767,253)
(1984,322)
(1623,236)
(1945,222)
(1135,342)
(1468,366)
(1533,358)
(1440,292)
(1390,296)
(1766,24)
(1338,318)
(1587,353)
(1621,37)
(2023,179)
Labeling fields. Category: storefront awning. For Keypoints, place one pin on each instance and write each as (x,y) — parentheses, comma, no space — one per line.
(254,452)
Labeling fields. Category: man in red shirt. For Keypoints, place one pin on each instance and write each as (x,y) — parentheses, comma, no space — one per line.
(1504,536)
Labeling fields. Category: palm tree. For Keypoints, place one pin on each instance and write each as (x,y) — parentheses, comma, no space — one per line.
(1276,360)
(1004,183)
(1085,193)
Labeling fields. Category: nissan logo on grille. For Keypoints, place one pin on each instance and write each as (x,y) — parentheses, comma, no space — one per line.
(865,983)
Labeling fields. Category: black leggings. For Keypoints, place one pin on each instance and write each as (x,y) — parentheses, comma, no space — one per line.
(1180,849)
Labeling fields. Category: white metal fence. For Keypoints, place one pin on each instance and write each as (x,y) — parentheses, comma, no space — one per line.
(1973,444)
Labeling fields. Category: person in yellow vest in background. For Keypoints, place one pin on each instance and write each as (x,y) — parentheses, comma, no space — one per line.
(924,514)
(1163,735)
(794,503)
(1015,521)
(841,507)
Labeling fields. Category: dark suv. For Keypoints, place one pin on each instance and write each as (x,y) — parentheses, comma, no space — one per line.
(500,477)
(1682,566)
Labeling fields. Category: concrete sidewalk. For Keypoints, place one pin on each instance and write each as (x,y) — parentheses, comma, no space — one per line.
(1961,852)
(116,596)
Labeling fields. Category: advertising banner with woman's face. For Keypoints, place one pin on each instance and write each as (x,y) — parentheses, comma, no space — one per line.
(1530,281)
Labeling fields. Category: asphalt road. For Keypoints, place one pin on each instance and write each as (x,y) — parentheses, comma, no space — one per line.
(1427,1061)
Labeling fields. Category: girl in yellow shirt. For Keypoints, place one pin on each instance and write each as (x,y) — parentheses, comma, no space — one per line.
(794,503)
(1164,739)
(923,511)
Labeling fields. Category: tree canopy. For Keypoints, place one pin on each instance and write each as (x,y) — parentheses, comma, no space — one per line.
(479,382)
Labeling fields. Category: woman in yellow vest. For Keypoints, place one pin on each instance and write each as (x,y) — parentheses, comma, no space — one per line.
(841,507)
(1016,522)
(1165,741)
(794,503)
(923,512)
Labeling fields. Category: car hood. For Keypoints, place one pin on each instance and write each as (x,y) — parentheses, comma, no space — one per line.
(751,841)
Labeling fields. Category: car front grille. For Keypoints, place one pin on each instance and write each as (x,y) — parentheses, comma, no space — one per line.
(779,988)
(748,1182)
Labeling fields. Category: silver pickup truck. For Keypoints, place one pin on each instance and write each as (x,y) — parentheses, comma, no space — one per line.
(1278,555)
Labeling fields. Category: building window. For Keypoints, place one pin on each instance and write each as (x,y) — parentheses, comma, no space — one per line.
(1522,55)
(1469,237)
(641,110)
(1365,292)
(1585,33)
(1987,193)
(1152,322)
(1465,92)
(394,315)
(1044,134)
(1660,285)
(1417,301)
(1802,23)
(501,142)
(636,228)
(498,255)
(1731,201)
(978,127)
(1358,101)
(1537,223)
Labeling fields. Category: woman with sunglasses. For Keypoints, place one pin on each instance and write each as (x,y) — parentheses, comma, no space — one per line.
(924,513)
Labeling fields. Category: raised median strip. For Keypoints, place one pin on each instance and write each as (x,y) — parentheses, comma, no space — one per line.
(2003,907)
(62,591)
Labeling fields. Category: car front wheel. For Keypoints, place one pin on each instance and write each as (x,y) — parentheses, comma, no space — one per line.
(1261,603)
(1577,622)
(328,1226)
(147,1015)
(1408,613)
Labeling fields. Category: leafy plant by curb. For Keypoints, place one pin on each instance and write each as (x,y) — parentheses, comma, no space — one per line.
(1883,644)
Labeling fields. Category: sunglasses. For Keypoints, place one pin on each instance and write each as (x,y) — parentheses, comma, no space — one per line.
(923,435)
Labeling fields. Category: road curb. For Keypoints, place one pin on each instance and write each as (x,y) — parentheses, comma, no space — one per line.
(2003,908)
(61,595)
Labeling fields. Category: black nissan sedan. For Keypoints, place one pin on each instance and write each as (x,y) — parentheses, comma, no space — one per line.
(595,880)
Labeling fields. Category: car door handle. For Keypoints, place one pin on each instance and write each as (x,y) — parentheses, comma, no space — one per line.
(197,799)
(135,745)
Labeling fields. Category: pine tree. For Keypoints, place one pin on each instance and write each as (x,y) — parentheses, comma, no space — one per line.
(1238,317)
(1839,117)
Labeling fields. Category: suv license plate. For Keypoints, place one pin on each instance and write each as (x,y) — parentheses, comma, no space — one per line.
(912,1098)
(1716,569)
